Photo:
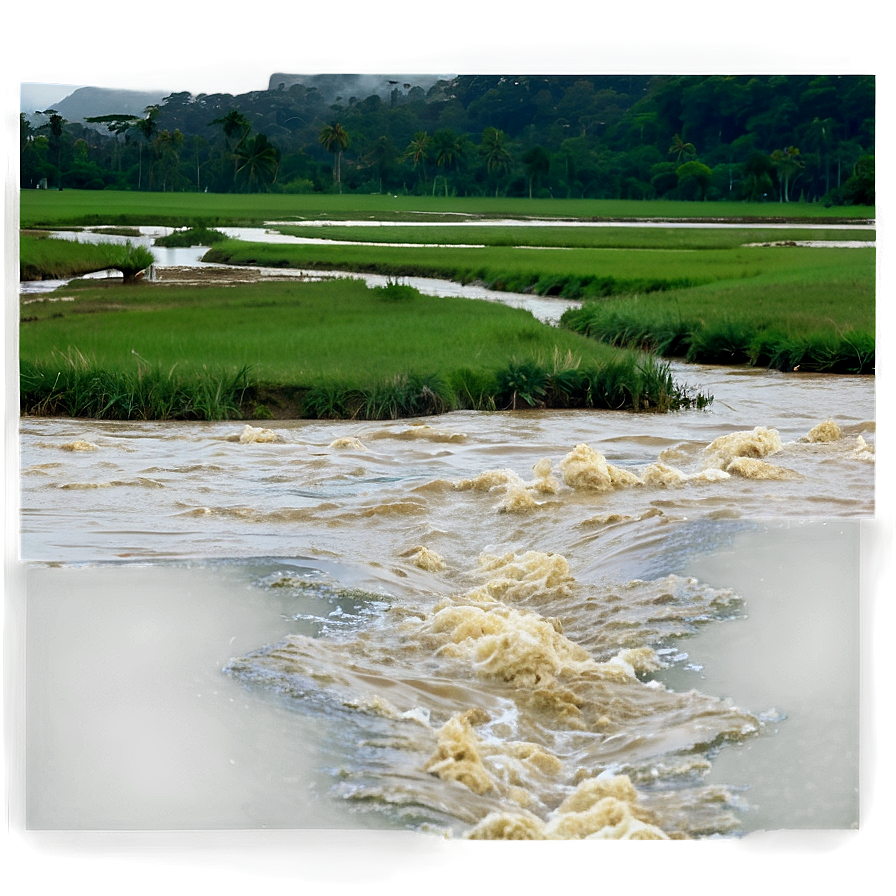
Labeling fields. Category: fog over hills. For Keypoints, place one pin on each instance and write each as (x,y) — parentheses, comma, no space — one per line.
(89,101)
(360,86)
(75,103)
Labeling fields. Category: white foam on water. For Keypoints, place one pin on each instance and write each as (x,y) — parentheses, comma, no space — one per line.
(348,443)
(425,559)
(826,431)
(752,468)
(252,434)
(585,468)
(79,445)
(759,442)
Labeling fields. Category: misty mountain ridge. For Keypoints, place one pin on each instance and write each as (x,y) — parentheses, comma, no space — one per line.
(87,102)
(80,103)
(334,86)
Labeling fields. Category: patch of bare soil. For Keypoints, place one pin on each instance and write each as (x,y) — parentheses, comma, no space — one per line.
(198,276)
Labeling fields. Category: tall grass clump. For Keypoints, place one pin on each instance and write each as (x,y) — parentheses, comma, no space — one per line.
(403,395)
(726,339)
(71,385)
(720,342)
(191,236)
(849,352)
(406,395)
(395,291)
(44,258)
(630,382)
(128,258)
(333,400)
(474,389)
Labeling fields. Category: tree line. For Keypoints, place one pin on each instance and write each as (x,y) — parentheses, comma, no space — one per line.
(774,138)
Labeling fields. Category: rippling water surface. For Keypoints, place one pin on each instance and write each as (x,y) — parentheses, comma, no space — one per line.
(531,624)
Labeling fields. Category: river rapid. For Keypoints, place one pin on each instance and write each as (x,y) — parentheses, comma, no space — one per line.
(499,625)
(515,625)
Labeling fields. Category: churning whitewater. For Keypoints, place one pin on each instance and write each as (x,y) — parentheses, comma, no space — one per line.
(484,610)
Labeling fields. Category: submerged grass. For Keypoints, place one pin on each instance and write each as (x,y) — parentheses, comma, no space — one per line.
(320,350)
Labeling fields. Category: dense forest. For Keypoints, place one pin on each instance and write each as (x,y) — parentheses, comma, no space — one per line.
(776,138)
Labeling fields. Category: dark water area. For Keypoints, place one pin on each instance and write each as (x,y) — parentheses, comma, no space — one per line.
(132,724)
(799,639)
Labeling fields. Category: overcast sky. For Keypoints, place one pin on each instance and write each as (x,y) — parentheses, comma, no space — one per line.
(177,45)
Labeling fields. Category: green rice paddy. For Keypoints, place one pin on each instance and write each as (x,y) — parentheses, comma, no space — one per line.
(327,349)
(339,349)
(85,207)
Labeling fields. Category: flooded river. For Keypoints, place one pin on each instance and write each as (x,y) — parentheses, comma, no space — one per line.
(532,624)
(539,625)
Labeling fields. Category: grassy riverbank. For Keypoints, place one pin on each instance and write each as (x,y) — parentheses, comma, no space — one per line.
(86,207)
(811,310)
(581,273)
(43,258)
(630,236)
(329,349)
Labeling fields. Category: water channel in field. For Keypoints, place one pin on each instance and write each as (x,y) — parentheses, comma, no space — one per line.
(534,624)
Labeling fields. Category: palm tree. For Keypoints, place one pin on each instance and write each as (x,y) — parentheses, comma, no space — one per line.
(334,138)
(493,148)
(538,163)
(234,123)
(788,165)
(56,125)
(418,151)
(258,160)
(448,149)
(146,127)
(116,124)
(164,169)
(381,157)
(236,128)
(819,135)
(679,149)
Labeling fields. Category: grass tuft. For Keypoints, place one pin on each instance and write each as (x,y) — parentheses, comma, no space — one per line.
(199,235)
(74,386)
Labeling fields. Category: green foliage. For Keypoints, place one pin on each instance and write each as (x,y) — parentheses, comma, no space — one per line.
(575,136)
(44,208)
(74,386)
(694,179)
(191,236)
(522,383)
(859,189)
(334,350)
(45,258)
(720,342)
(129,259)
(818,324)
(395,291)
(405,395)
(474,389)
